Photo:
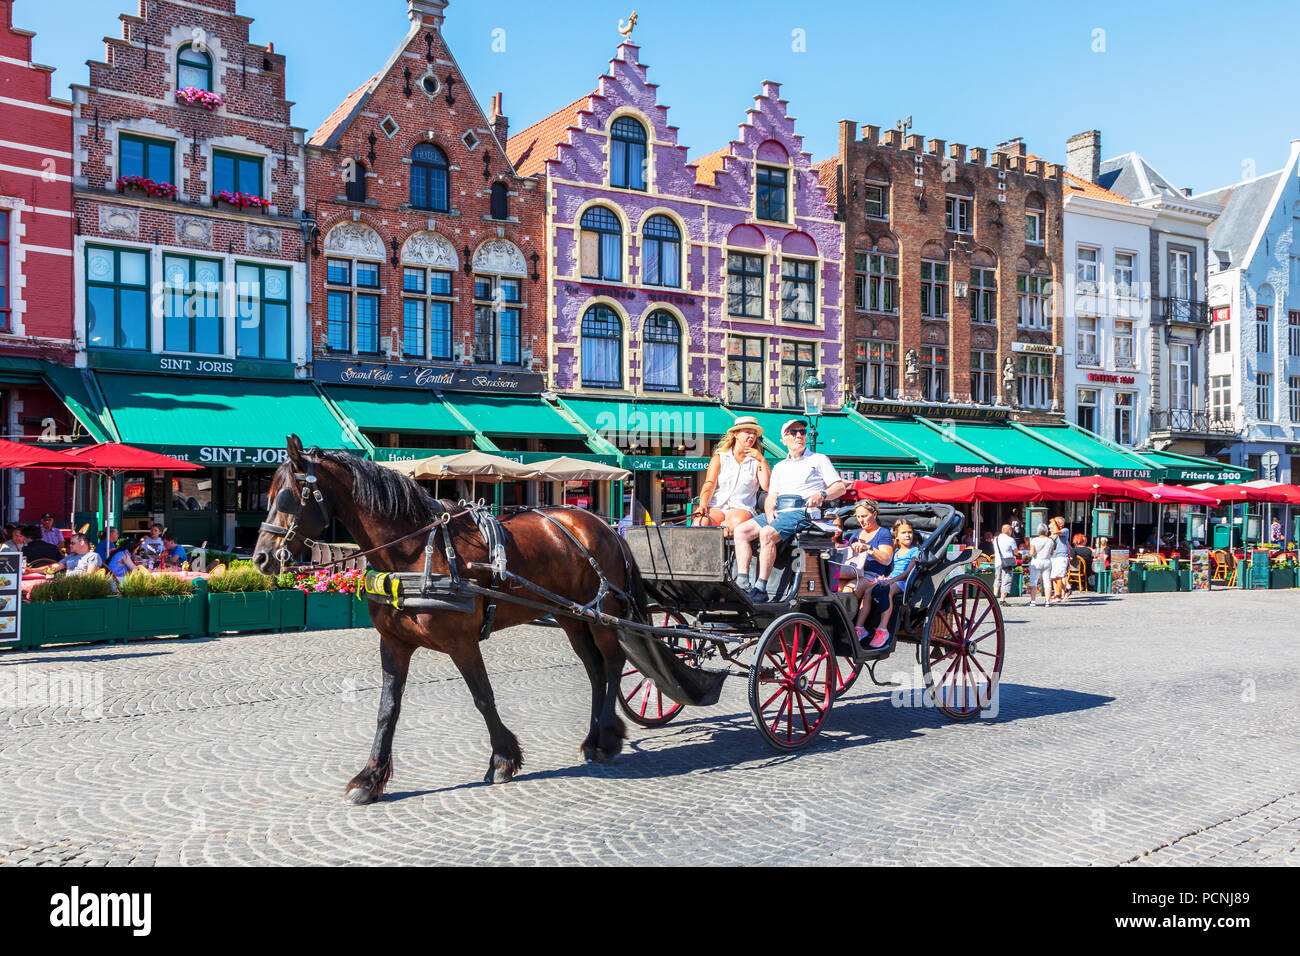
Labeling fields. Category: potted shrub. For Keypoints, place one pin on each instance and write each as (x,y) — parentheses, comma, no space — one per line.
(71,609)
(157,604)
(1282,573)
(1159,576)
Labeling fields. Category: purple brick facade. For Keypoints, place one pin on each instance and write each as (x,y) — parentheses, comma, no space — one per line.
(712,202)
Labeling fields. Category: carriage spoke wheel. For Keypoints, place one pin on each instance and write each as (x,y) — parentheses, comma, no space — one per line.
(962,648)
(640,697)
(792,682)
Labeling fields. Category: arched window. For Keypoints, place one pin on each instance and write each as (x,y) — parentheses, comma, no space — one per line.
(602,348)
(354,180)
(500,207)
(429,184)
(602,245)
(661,252)
(663,352)
(627,141)
(193,68)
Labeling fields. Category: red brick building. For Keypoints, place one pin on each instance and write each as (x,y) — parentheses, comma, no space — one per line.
(35,268)
(426,266)
(191,298)
(952,259)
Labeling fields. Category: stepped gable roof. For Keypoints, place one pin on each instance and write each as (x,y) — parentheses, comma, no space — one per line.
(529,149)
(337,123)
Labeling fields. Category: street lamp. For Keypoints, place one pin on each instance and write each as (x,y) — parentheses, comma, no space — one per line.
(814,395)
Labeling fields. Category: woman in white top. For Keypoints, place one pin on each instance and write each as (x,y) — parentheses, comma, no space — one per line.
(729,496)
(1040,564)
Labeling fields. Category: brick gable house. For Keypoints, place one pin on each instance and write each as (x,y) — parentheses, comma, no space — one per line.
(426,259)
(35,268)
(952,261)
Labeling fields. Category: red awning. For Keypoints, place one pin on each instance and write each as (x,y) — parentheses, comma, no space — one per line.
(967,490)
(905,489)
(110,456)
(1109,488)
(1229,494)
(17,455)
(1039,488)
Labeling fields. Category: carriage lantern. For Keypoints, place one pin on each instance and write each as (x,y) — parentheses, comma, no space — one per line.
(814,395)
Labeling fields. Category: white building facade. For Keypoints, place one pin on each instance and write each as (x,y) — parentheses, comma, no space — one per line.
(1107,310)
(1254,300)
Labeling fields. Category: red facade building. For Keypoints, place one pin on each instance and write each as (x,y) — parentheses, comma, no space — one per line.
(36,328)
(427,268)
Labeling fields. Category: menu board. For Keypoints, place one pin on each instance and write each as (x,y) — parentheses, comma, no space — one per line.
(1119,565)
(11,594)
(1200,563)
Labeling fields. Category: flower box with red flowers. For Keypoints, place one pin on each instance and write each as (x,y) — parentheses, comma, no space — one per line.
(147,186)
(241,200)
(191,96)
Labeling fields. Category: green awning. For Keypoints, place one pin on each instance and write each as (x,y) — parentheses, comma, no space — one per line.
(839,436)
(396,410)
(1102,457)
(17,370)
(1011,451)
(691,419)
(76,388)
(515,417)
(914,437)
(1194,470)
(219,421)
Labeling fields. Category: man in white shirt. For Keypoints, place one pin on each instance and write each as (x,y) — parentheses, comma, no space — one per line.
(801,481)
(86,560)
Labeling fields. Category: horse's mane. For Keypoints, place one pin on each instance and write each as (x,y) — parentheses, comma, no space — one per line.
(380,489)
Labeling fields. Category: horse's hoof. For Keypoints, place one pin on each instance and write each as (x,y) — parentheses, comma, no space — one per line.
(500,770)
(588,753)
(607,756)
(360,796)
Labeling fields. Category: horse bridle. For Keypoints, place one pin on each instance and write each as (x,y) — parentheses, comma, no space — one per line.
(286,502)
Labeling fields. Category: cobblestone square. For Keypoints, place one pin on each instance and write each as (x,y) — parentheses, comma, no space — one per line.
(1146,730)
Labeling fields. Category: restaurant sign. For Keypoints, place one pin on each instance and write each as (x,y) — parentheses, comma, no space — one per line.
(1033,348)
(215,455)
(205,366)
(1009,471)
(665,463)
(983,413)
(431,378)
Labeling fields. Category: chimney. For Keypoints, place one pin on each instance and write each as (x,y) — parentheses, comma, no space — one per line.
(1187,191)
(1083,155)
(500,125)
(431,12)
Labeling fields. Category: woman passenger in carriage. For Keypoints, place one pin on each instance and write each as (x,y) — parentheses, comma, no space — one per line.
(884,589)
(729,495)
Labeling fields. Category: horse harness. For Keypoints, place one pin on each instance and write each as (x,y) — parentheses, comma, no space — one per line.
(426,591)
(287,503)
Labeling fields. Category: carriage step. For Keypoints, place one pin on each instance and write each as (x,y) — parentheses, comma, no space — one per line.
(871,672)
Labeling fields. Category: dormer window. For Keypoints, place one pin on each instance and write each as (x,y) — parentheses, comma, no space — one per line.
(770,189)
(193,68)
(627,144)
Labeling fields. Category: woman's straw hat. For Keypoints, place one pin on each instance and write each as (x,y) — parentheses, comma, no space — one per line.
(746,423)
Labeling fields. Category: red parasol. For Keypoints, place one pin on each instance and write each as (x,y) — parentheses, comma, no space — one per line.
(17,455)
(1230,494)
(1178,495)
(968,490)
(1110,488)
(905,489)
(1039,488)
(110,456)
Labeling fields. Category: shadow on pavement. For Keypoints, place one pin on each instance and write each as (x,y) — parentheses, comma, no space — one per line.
(715,742)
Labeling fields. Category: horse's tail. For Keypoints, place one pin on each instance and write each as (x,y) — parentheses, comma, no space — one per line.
(635,583)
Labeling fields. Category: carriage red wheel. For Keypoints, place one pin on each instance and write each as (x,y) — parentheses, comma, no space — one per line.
(639,697)
(962,648)
(792,682)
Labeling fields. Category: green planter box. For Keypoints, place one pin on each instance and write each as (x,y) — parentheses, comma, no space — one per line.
(360,612)
(1157,580)
(1184,579)
(328,612)
(159,616)
(71,622)
(1103,582)
(293,609)
(243,611)
(1283,578)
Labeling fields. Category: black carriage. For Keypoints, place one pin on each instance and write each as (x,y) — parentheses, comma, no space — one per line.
(804,650)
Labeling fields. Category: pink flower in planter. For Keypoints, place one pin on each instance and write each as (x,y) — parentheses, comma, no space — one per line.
(192,96)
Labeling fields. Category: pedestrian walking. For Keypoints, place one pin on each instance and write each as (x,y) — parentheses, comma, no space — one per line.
(1004,563)
(1040,564)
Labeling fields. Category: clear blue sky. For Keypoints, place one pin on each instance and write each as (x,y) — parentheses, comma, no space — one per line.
(1199,88)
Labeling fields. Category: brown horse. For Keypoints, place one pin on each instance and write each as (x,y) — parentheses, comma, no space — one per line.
(378,506)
